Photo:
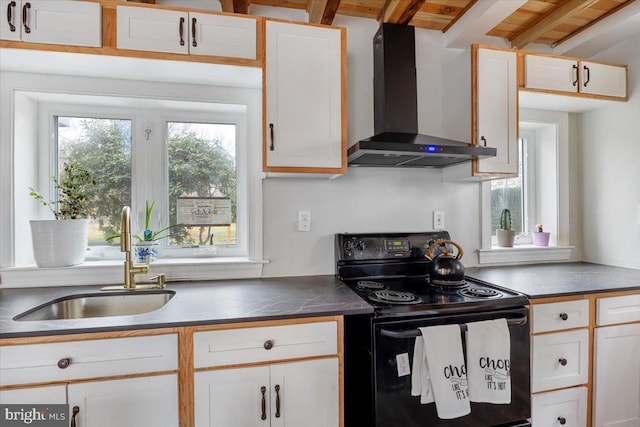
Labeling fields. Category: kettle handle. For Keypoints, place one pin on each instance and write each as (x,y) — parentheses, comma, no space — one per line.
(445,251)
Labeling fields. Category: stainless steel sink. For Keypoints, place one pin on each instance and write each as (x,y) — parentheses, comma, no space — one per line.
(83,306)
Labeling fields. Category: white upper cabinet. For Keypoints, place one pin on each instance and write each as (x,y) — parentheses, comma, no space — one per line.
(77,23)
(303,99)
(603,79)
(171,31)
(571,75)
(497,111)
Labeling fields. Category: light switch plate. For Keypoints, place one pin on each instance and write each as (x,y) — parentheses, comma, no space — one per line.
(438,220)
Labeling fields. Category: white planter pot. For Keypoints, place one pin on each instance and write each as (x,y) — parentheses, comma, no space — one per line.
(59,242)
(505,237)
(144,250)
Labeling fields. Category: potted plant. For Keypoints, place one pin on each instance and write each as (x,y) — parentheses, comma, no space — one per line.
(147,245)
(540,237)
(505,234)
(62,241)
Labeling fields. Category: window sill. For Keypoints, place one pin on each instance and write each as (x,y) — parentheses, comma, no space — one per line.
(111,272)
(523,254)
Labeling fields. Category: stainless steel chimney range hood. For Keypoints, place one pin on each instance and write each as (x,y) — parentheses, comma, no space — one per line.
(396,142)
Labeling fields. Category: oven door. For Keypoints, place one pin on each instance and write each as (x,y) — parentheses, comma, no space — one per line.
(394,405)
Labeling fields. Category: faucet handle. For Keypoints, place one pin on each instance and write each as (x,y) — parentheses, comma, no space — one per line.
(160,279)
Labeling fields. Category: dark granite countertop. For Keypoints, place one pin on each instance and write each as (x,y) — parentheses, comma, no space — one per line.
(195,303)
(552,280)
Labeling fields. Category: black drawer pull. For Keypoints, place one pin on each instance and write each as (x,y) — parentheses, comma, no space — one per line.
(181,31)
(268,344)
(25,17)
(263,390)
(271,147)
(76,410)
(10,8)
(575,68)
(194,43)
(588,75)
(562,420)
(564,316)
(563,361)
(64,363)
(277,388)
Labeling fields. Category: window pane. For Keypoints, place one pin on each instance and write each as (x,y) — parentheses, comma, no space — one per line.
(202,164)
(103,147)
(508,193)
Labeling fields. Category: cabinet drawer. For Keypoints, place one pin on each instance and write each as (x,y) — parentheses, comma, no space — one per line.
(246,345)
(559,360)
(550,409)
(618,310)
(35,363)
(560,315)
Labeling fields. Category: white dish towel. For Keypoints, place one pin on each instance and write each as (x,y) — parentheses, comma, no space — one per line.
(420,378)
(489,361)
(446,369)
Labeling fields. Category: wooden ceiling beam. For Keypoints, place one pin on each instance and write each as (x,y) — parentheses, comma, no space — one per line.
(322,11)
(235,6)
(547,22)
(400,11)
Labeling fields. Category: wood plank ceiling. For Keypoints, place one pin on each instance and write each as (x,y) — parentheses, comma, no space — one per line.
(547,22)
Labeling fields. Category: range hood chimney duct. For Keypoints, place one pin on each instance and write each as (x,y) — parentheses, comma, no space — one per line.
(396,142)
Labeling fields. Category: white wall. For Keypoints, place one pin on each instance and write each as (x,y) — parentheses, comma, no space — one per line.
(610,154)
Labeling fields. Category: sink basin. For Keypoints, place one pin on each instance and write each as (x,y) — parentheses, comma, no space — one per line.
(83,306)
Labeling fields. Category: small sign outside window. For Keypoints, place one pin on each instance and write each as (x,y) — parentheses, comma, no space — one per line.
(204,211)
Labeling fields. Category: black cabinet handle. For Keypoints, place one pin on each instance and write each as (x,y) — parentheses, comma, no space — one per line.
(564,316)
(271,147)
(181,31)
(64,363)
(563,361)
(25,17)
(277,388)
(575,67)
(268,344)
(75,412)
(194,43)
(10,7)
(584,67)
(263,390)
(562,420)
(484,140)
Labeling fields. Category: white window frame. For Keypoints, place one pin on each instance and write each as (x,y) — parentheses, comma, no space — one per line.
(491,255)
(48,87)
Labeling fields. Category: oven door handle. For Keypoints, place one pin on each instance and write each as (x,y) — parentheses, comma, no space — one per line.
(412,333)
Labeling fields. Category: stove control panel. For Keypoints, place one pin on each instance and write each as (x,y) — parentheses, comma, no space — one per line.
(361,247)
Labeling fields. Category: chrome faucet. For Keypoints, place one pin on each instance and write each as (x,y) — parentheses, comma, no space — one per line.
(130,268)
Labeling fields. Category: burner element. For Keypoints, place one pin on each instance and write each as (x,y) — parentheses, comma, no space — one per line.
(368,285)
(394,297)
(480,293)
(448,283)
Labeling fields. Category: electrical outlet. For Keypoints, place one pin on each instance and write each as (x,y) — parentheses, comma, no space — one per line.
(304,220)
(438,220)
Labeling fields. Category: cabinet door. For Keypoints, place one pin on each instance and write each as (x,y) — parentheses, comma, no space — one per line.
(602,79)
(566,408)
(77,23)
(559,360)
(56,394)
(545,72)
(157,30)
(616,396)
(307,394)
(134,402)
(497,111)
(232,397)
(11,22)
(303,91)
(222,35)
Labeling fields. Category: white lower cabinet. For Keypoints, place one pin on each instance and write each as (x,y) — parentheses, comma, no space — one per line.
(616,395)
(560,360)
(566,408)
(301,393)
(133,402)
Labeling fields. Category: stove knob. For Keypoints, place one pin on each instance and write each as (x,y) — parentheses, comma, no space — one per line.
(361,245)
(349,246)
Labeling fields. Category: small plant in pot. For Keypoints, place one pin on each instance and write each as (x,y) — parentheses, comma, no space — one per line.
(62,241)
(505,234)
(146,248)
(540,237)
